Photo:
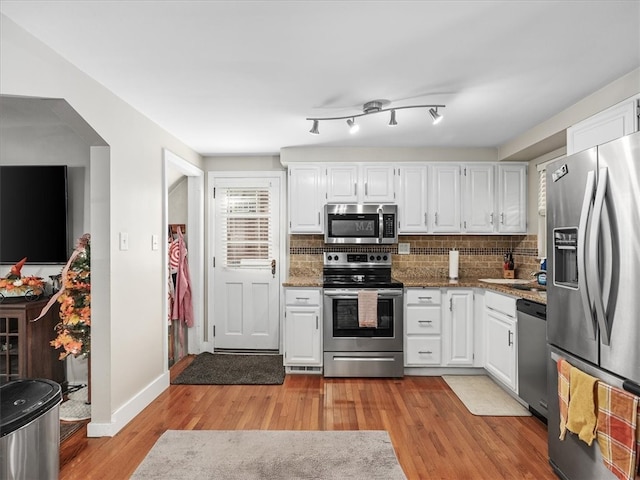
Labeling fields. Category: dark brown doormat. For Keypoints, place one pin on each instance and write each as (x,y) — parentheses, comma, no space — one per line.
(232,369)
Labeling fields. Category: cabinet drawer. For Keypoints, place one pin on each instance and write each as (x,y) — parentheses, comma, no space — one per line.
(501,303)
(423,296)
(423,351)
(302,297)
(423,320)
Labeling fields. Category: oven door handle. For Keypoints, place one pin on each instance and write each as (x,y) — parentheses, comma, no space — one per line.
(343,294)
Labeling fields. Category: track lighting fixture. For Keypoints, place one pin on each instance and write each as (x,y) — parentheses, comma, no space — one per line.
(392,120)
(375,106)
(437,118)
(353,126)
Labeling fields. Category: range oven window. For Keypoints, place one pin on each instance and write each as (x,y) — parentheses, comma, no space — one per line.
(345,319)
(354,226)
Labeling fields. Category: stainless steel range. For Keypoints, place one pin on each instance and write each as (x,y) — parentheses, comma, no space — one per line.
(363,323)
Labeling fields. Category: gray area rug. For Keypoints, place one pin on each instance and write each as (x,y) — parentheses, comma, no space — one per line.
(483,397)
(233,369)
(267,454)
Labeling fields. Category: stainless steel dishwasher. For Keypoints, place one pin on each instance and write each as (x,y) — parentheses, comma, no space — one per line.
(532,355)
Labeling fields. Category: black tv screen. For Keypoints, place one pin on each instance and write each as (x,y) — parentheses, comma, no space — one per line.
(33,214)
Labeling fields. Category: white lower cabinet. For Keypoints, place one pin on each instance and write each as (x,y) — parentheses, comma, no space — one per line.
(423,327)
(302,327)
(501,342)
(458,328)
(439,327)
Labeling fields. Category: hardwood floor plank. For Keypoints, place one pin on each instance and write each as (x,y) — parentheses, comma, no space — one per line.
(434,436)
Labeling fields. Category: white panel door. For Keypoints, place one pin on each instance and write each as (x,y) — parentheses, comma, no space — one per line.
(512,198)
(444,198)
(500,348)
(412,198)
(458,328)
(379,183)
(306,198)
(247,246)
(342,184)
(478,195)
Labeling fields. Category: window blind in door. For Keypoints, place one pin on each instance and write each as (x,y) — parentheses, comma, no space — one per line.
(246,230)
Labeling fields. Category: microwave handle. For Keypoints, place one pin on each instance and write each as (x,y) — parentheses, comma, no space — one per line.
(380,225)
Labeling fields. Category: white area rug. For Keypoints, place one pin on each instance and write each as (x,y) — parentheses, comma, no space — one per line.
(268,454)
(483,397)
(76,408)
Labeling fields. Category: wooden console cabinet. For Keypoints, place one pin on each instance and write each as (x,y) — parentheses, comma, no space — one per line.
(25,351)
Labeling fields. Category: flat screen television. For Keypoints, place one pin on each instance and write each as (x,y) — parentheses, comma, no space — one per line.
(33,214)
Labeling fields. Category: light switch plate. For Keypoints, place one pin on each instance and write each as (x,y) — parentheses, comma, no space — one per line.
(404,248)
(155,243)
(124,241)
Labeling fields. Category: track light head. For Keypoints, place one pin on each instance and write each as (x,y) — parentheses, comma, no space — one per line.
(314,129)
(437,118)
(392,120)
(353,126)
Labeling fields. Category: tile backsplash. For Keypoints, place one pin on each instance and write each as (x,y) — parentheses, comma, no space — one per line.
(481,256)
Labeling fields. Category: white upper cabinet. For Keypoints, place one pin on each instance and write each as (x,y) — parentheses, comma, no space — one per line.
(612,123)
(478,198)
(437,198)
(412,198)
(379,183)
(342,183)
(369,183)
(512,198)
(306,198)
(444,198)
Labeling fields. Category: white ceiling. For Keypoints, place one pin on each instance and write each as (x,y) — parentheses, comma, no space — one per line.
(240,77)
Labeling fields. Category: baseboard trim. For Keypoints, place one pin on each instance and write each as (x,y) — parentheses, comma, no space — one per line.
(129,410)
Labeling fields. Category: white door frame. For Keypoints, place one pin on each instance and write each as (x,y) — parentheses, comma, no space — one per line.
(195,221)
(282,270)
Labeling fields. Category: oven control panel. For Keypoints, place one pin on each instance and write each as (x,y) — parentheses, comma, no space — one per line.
(378,259)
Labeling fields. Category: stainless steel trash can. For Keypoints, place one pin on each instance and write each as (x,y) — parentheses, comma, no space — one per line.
(30,429)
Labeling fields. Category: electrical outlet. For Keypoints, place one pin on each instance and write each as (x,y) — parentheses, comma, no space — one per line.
(404,248)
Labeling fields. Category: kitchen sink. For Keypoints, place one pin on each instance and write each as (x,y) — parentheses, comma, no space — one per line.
(530,288)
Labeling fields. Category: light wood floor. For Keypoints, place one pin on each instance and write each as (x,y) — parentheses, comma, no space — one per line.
(434,436)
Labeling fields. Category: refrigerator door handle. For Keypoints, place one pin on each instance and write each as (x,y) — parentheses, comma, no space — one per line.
(582,254)
(593,276)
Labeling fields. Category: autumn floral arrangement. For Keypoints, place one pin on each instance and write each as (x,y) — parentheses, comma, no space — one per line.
(74,329)
(15,285)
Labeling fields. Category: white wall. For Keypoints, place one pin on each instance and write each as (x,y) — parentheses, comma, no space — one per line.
(128,365)
(255,163)
(362,154)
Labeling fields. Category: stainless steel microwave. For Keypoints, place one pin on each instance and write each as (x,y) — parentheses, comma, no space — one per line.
(358,223)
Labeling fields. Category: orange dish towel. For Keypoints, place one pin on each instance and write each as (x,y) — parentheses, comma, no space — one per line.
(564,372)
(617,430)
(582,418)
(368,308)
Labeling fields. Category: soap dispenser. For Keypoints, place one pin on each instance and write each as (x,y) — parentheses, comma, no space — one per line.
(542,274)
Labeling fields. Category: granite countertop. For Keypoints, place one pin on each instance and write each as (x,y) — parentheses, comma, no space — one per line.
(433,282)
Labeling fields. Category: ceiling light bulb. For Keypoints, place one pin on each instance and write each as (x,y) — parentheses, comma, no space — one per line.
(392,120)
(437,118)
(353,126)
(314,129)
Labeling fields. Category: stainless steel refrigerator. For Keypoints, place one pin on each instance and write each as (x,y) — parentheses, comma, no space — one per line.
(593,283)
